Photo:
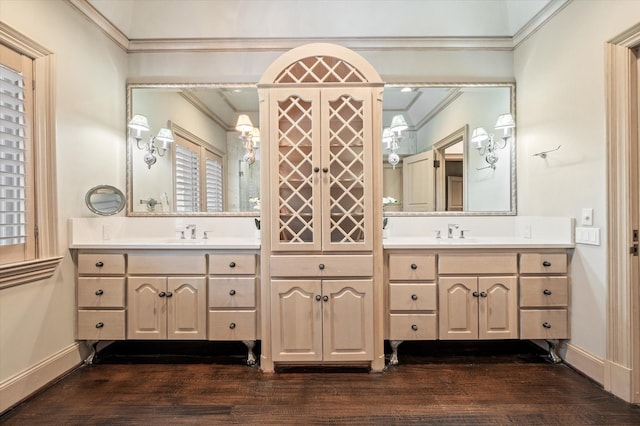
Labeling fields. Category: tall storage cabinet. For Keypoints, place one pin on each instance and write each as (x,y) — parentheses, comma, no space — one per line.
(321,107)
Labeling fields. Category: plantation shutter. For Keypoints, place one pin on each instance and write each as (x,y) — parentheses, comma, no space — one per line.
(187,178)
(214,183)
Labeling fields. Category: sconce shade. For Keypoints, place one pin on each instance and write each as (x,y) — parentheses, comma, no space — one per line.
(387,137)
(398,123)
(244,124)
(255,136)
(505,121)
(479,135)
(165,136)
(139,123)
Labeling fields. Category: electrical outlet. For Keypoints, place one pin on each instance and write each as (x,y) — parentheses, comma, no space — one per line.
(106,232)
(587,217)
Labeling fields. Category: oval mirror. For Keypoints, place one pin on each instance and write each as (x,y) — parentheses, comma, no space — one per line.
(105,200)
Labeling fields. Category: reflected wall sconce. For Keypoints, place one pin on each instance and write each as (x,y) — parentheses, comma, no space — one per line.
(392,136)
(486,143)
(158,144)
(250,137)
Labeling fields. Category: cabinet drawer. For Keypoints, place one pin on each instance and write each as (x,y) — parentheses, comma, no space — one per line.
(232,292)
(413,327)
(232,325)
(480,263)
(544,324)
(322,266)
(100,292)
(100,264)
(413,297)
(167,264)
(544,292)
(412,267)
(543,263)
(232,264)
(101,325)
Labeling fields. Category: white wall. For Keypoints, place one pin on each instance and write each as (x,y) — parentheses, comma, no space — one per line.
(37,320)
(561,100)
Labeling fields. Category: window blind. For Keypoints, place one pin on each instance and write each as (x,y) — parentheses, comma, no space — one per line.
(187,180)
(12,158)
(214,184)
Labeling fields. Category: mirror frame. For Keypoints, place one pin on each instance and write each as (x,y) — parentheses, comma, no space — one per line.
(130,150)
(513,211)
(113,190)
(129,178)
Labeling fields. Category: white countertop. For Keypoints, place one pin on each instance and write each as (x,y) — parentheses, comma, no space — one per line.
(169,243)
(471,243)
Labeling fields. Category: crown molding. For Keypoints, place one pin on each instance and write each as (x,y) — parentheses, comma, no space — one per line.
(86,9)
(549,11)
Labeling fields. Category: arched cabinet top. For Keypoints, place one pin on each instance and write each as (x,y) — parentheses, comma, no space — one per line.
(320,63)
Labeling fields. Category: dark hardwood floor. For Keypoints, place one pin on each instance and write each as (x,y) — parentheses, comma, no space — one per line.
(436,383)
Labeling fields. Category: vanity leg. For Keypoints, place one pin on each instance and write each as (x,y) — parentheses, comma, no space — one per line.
(393,360)
(553,351)
(92,345)
(251,357)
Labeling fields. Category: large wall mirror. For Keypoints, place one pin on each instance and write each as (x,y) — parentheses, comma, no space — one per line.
(431,165)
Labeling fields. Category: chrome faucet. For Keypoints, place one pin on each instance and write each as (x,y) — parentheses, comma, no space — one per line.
(450,228)
(193,231)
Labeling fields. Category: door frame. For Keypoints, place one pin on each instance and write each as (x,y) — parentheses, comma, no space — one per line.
(622,363)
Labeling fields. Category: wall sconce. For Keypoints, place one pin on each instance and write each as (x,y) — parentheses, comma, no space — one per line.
(250,137)
(487,145)
(392,135)
(158,144)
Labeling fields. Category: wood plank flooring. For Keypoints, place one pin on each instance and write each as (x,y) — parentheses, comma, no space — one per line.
(435,383)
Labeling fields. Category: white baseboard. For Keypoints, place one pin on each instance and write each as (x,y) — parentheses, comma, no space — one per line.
(586,363)
(618,380)
(21,386)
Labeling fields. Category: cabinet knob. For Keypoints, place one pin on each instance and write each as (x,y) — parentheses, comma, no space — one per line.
(99,292)
(232,292)
(318,297)
(483,294)
(414,297)
(232,325)
(414,327)
(546,263)
(100,324)
(162,294)
(232,265)
(325,298)
(414,266)
(547,291)
(316,169)
(169,294)
(325,169)
(476,294)
(321,266)
(99,264)
(546,325)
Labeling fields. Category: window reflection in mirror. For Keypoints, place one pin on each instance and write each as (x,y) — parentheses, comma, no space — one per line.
(202,172)
(440,170)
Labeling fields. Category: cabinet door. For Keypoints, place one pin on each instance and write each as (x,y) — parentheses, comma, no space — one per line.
(186,308)
(347,320)
(146,308)
(346,157)
(458,308)
(295,169)
(296,320)
(498,308)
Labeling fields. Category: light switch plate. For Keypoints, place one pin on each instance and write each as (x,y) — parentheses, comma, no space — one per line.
(589,236)
(586,218)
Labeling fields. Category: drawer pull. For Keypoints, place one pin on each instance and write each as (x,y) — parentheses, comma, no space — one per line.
(414,266)
(99,292)
(321,266)
(318,297)
(546,325)
(547,291)
(100,324)
(99,264)
(483,294)
(232,292)
(232,325)
(414,327)
(546,263)
(169,294)
(232,265)
(325,298)
(162,294)
(414,297)
(476,294)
